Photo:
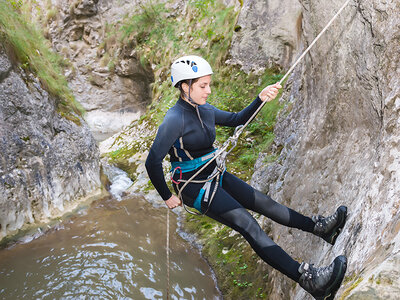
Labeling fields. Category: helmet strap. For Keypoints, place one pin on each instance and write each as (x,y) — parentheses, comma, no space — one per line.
(190,99)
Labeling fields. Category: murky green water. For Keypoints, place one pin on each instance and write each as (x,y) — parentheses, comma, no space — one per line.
(112,250)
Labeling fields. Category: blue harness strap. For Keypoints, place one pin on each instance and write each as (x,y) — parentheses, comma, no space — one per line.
(191,165)
(197,202)
(205,192)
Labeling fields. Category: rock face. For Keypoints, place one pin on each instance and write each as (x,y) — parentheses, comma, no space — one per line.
(338,141)
(113,90)
(267,34)
(47,163)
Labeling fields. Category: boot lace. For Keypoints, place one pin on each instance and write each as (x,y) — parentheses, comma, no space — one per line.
(322,224)
(314,279)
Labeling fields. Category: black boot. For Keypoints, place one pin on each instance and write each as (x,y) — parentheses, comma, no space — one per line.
(329,228)
(323,283)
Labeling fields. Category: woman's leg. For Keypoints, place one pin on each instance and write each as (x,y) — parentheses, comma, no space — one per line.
(254,200)
(226,210)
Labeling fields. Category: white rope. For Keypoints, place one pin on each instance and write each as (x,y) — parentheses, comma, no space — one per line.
(296,63)
(168,266)
(314,41)
(239,130)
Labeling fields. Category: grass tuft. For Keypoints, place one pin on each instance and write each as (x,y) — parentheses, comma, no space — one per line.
(33,53)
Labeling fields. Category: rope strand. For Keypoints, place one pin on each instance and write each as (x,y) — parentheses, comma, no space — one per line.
(167,247)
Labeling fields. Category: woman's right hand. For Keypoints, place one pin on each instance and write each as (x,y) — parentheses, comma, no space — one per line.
(173,202)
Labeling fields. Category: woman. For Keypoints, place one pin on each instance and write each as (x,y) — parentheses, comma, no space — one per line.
(187,134)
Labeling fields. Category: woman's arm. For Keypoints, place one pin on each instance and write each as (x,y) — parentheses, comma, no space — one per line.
(167,134)
(235,119)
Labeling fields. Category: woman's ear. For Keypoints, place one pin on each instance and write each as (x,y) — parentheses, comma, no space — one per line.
(185,87)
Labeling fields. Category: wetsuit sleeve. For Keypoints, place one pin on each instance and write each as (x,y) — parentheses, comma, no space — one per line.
(226,118)
(167,134)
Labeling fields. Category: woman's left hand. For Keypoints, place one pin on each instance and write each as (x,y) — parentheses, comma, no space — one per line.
(270,92)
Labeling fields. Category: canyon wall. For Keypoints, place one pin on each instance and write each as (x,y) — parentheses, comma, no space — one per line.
(48,163)
(337,142)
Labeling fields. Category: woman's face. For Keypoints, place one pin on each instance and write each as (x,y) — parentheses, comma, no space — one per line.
(200,89)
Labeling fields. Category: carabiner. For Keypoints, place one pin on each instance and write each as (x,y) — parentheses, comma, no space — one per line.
(180,175)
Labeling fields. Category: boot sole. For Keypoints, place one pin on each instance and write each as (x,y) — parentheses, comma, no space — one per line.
(341,261)
(342,211)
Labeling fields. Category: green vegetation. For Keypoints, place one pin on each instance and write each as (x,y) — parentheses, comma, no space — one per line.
(27,46)
(241,273)
(159,34)
(258,136)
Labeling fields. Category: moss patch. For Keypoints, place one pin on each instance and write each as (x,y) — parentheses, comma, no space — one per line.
(355,283)
(241,273)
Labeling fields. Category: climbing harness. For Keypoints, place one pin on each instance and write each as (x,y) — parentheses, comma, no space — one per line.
(220,155)
(204,161)
(191,165)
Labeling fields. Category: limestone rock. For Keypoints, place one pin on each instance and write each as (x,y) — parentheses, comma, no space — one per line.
(98,79)
(47,163)
(338,142)
(382,282)
(85,8)
(121,93)
(267,34)
(5,67)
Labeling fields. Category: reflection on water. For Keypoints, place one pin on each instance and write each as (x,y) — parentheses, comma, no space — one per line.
(113,250)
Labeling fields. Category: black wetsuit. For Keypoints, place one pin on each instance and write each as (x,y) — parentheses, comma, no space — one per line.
(187,134)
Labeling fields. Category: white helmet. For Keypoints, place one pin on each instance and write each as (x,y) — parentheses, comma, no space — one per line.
(189,67)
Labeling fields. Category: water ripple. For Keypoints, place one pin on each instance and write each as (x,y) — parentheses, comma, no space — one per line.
(106,254)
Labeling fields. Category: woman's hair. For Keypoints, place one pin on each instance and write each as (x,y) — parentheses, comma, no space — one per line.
(189,82)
